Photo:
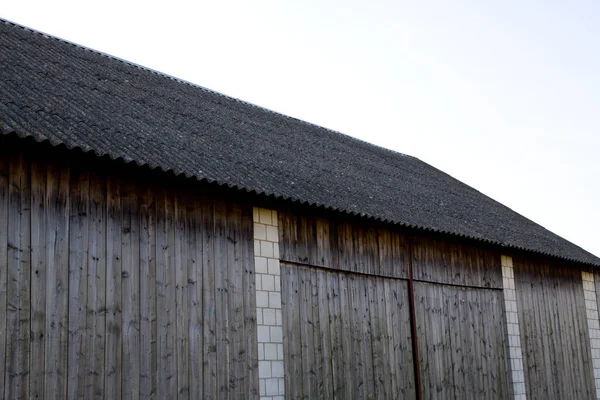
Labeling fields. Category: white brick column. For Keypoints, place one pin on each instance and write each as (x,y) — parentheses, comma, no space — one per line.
(591,308)
(268,305)
(517,374)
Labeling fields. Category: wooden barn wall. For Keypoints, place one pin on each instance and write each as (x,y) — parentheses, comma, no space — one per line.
(378,250)
(343,246)
(461,342)
(118,288)
(455,263)
(459,309)
(347,335)
(554,332)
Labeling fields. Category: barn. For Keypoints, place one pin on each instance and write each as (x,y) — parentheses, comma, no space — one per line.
(161,240)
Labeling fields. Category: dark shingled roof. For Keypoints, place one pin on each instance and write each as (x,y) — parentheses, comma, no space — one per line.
(57,91)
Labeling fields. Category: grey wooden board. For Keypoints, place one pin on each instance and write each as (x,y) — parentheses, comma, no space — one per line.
(461,342)
(342,245)
(342,336)
(554,330)
(454,262)
(107,286)
(374,249)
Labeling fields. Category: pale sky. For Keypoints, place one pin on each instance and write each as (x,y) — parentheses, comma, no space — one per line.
(503,95)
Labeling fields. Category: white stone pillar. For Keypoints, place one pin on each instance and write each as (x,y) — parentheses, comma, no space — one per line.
(591,308)
(517,374)
(268,305)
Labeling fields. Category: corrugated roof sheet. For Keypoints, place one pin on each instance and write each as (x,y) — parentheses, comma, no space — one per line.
(57,91)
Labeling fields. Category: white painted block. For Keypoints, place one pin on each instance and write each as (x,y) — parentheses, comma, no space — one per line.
(277,369)
(519,376)
(587,276)
(281,386)
(510,295)
(515,352)
(589,286)
(278,318)
(276,334)
(274,219)
(280,352)
(260,231)
(262,386)
(262,298)
(268,282)
(261,352)
(272,386)
(276,250)
(265,216)
(264,369)
(270,351)
(506,261)
(272,233)
(274,266)
(518,364)
(266,249)
(263,334)
(260,265)
(519,387)
(274,300)
(269,317)
(259,318)
(278,284)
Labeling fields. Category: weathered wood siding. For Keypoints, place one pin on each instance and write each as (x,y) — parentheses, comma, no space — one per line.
(461,342)
(554,332)
(343,246)
(456,263)
(121,288)
(459,309)
(346,335)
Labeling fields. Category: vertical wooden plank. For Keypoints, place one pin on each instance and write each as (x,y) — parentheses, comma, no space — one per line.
(114,327)
(324,258)
(148,334)
(221,267)
(181,296)
(18,300)
(38,277)
(209,301)
(165,292)
(340,383)
(130,290)
(57,281)
(4,217)
(326,372)
(290,298)
(96,289)
(317,332)
(195,243)
(344,361)
(308,379)
(235,306)
(249,294)
(364,287)
(384,371)
(78,241)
